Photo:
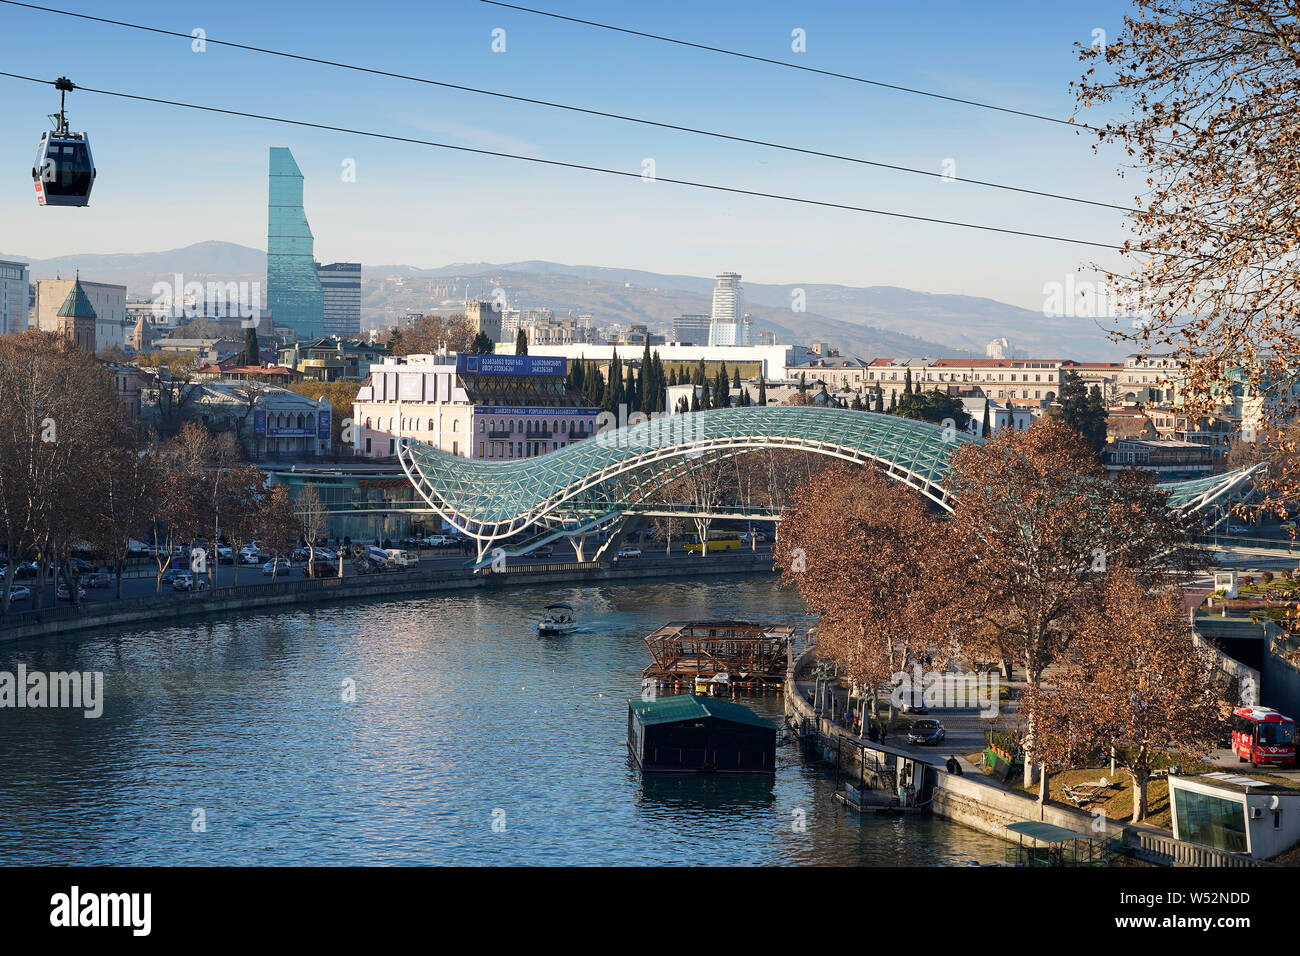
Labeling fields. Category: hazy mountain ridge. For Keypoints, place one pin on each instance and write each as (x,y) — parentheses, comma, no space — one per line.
(867,321)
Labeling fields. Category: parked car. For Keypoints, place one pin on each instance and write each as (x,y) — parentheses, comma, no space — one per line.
(63,594)
(252,557)
(97,580)
(926,732)
(629,552)
(326,554)
(320,569)
(19,593)
(81,567)
(284,564)
(438,541)
(757,536)
(225,555)
(188,582)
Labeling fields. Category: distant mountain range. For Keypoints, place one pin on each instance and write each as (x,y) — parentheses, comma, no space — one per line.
(869,322)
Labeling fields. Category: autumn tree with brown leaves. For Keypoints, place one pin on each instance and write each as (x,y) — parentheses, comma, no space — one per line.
(1035,526)
(1211,87)
(431,333)
(1134,682)
(279,526)
(864,552)
(60,420)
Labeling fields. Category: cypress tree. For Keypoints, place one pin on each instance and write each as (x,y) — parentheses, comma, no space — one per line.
(735,378)
(661,385)
(695,401)
(762,391)
(984,427)
(643,394)
(252,353)
(521,342)
(907,383)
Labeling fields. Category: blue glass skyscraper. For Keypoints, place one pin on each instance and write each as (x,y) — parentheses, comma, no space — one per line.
(293,289)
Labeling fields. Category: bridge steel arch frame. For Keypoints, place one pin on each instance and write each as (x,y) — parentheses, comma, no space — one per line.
(492,500)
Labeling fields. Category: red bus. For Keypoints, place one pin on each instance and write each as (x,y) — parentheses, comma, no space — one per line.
(1262,735)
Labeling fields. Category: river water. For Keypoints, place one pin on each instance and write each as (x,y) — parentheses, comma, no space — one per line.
(471,740)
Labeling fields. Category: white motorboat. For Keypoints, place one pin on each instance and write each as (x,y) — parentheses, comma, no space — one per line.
(557,619)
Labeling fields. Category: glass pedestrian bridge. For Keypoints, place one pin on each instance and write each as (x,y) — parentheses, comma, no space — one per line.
(597,478)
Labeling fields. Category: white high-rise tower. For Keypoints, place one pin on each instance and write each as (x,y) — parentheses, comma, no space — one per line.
(728,324)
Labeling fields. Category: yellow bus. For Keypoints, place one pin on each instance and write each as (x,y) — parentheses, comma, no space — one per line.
(718,541)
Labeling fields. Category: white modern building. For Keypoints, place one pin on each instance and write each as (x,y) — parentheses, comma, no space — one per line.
(728,298)
(1234,813)
(341,285)
(108,301)
(13,297)
(730,333)
(728,325)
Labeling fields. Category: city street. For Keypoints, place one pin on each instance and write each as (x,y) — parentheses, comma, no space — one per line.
(140,579)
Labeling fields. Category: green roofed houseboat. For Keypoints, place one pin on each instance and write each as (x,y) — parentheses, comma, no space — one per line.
(685,733)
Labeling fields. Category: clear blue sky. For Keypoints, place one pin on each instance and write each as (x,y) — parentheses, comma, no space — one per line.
(170,177)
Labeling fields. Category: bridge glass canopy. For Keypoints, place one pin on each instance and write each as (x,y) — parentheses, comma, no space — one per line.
(602,473)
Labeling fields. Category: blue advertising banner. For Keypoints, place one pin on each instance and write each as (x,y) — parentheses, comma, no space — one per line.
(511,364)
(323,425)
(259,423)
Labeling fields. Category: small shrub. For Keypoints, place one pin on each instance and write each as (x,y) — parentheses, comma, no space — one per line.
(1267,576)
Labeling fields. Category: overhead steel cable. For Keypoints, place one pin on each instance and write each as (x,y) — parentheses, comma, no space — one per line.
(715,187)
(588,111)
(799,66)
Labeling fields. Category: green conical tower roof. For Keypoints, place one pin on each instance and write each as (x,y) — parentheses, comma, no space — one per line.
(77,304)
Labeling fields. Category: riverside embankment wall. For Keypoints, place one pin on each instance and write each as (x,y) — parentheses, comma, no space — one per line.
(981,805)
(172,607)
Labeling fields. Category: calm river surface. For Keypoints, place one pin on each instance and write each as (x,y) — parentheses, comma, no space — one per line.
(463,716)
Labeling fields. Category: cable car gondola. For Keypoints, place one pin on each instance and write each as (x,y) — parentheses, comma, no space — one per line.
(65,171)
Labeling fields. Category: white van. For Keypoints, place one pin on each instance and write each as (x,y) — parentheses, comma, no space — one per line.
(402,559)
